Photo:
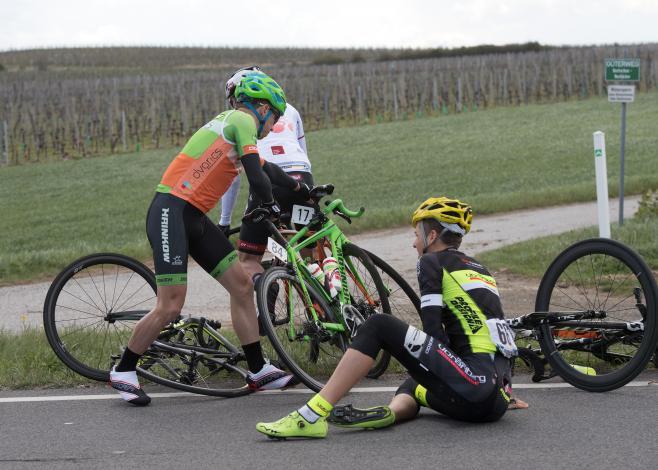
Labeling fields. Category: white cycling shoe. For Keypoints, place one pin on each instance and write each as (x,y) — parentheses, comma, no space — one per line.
(270,378)
(127,384)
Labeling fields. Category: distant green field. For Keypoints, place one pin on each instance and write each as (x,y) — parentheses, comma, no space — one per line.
(498,160)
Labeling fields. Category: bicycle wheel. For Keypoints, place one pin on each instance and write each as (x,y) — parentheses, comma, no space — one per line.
(608,277)
(92,307)
(309,352)
(402,298)
(368,296)
(193,356)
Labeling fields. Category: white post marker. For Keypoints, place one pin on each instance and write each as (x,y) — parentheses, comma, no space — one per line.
(601,184)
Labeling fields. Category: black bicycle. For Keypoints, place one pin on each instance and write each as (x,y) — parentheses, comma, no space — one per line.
(92,307)
(595,319)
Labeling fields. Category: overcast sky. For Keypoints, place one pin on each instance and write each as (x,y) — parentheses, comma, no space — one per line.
(333,23)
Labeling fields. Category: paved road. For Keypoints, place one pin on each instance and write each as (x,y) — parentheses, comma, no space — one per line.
(22,305)
(563,428)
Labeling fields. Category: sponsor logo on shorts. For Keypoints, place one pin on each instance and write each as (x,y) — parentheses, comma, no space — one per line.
(242,245)
(468,313)
(429,345)
(164,233)
(414,340)
(178,261)
(460,366)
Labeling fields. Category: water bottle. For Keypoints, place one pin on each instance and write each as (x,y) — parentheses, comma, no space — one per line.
(332,274)
(316,272)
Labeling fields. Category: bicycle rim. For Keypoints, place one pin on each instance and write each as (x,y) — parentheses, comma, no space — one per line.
(600,275)
(402,298)
(368,295)
(91,309)
(310,352)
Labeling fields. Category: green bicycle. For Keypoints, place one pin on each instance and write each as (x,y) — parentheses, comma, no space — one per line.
(307,326)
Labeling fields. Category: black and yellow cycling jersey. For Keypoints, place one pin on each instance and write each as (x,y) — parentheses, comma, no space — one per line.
(458,296)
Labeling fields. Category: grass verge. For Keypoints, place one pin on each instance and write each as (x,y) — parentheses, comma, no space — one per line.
(27,361)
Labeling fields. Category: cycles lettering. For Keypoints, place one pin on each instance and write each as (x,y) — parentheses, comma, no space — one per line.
(471,317)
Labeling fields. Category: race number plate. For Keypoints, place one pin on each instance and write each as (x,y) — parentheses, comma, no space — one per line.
(302,214)
(503,337)
(277,250)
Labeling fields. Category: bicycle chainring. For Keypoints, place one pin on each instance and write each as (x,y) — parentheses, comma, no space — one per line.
(353,319)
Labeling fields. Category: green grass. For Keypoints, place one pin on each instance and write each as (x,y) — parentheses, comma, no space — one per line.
(27,361)
(531,258)
(498,160)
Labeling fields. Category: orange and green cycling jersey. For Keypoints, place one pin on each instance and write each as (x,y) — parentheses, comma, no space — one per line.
(204,169)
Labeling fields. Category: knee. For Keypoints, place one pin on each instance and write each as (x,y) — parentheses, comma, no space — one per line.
(375,324)
(168,312)
(243,287)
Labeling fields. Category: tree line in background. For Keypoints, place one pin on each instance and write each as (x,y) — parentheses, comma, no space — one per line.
(64,103)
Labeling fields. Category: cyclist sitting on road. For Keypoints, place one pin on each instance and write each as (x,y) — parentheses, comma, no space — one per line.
(284,146)
(458,365)
(177,225)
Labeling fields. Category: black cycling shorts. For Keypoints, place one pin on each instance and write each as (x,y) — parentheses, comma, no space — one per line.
(175,228)
(253,236)
(474,388)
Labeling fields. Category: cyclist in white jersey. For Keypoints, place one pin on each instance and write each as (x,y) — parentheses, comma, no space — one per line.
(285,146)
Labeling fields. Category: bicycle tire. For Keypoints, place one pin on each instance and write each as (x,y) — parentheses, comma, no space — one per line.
(186,364)
(351,251)
(605,262)
(76,341)
(306,343)
(403,299)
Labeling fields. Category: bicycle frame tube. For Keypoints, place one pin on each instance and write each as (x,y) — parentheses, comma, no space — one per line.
(301,240)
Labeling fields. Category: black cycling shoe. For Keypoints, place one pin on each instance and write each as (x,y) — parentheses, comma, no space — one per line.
(347,416)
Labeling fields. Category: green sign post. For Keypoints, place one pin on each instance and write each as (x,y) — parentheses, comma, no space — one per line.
(622,70)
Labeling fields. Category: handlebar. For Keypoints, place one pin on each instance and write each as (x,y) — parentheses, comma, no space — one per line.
(318,192)
(337,207)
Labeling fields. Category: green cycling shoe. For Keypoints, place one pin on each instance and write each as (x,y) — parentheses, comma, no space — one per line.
(294,425)
(347,416)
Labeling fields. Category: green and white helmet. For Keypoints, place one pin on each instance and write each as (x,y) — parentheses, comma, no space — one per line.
(259,86)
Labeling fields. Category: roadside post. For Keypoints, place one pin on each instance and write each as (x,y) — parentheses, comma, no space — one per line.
(601,184)
(622,70)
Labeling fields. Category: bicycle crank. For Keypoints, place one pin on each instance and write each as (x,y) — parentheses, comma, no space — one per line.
(353,319)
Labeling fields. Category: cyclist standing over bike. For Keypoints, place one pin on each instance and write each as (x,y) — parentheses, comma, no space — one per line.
(177,226)
(459,364)
(284,146)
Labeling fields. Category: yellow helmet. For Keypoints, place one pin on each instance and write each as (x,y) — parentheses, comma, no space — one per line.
(453,214)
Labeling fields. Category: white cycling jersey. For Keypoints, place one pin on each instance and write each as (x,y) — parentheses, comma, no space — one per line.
(285,146)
